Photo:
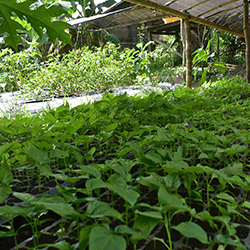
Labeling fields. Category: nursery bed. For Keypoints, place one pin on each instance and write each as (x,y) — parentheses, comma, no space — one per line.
(49,228)
(168,170)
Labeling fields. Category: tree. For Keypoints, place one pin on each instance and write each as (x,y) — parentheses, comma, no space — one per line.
(39,14)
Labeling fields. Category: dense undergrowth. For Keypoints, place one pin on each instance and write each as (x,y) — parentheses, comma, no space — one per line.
(80,71)
(178,161)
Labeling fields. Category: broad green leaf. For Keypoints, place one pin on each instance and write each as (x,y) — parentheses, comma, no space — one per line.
(118,185)
(101,238)
(227,197)
(58,153)
(203,156)
(220,66)
(122,167)
(153,181)
(61,245)
(112,127)
(5,191)
(222,239)
(144,225)
(24,196)
(10,146)
(168,199)
(154,156)
(56,204)
(112,38)
(192,230)
(89,155)
(175,166)
(95,183)
(71,180)
(123,229)
(39,18)
(246,204)
(92,170)
(6,176)
(84,236)
(235,169)
(7,234)
(173,181)
(98,209)
(38,155)
(7,210)
(150,213)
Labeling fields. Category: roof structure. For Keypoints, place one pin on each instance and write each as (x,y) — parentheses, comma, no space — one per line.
(225,15)
(119,16)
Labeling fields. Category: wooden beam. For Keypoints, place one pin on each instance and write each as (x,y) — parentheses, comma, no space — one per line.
(188,53)
(166,9)
(247,37)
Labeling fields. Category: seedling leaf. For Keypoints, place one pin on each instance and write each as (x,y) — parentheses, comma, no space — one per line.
(101,209)
(101,238)
(192,230)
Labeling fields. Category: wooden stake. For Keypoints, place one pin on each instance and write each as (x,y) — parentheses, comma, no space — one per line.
(188,53)
(247,37)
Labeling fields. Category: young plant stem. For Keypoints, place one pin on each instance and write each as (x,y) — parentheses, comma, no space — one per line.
(15,238)
(126,204)
(167,222)
(208,186)
(39,179)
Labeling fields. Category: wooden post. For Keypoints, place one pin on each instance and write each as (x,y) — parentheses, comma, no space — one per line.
(183,39)
(149,38)
(188,53)
(177,39)
(218,46)
(247,37)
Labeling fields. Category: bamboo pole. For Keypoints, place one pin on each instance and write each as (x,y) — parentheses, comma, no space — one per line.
(188,53)
(247,37)
(166,9)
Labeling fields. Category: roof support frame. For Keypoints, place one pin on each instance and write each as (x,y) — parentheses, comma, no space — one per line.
(168,10)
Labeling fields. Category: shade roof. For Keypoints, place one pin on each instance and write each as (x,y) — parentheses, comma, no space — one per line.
(227,13)
(223,12)
(121,17)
